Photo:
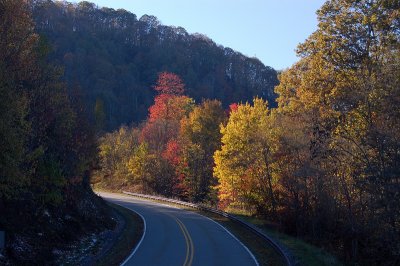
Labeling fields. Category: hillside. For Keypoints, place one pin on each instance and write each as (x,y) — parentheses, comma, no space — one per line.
(114,58)
(47,152)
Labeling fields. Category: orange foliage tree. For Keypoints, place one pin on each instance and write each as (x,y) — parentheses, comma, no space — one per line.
(169,107)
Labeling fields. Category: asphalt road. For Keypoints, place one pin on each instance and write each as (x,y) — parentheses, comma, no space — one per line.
(178,237)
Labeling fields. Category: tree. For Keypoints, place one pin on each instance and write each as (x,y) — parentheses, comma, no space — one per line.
(142,165)
(340,86)
(243,164)
(200,136)
(45,153)
(168,109)
(173,155)
(92,43)
(17,68)
(169,84)
(115,152)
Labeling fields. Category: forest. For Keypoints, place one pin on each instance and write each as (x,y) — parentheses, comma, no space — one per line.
(47,149)
(94,97)
(114,58)
(323,164)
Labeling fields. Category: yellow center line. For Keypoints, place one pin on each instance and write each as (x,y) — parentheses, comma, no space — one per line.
(189,242)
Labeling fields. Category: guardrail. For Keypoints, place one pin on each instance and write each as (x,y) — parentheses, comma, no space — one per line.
(285,253)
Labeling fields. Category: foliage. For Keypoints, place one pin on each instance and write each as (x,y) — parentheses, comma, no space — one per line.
(343,89)
(169,107)
(145,158)
(47,147)
(323,165)
(16,60)
(115,57)
(171,153)
(243,165)
(141,166)
(115,149)
(332,143)
(170,84)
(200,137)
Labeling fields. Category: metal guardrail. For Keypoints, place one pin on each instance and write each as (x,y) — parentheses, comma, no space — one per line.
(285,253)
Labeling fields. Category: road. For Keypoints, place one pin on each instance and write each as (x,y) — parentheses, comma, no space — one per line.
(178,237)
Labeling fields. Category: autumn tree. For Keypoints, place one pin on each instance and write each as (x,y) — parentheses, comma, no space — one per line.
(170,84)
(142,166)
(17,61)
(115,151)
(43,118)
(170,106)
(243,165)
(200,137)
(341,85)
(174,157)
(46,150)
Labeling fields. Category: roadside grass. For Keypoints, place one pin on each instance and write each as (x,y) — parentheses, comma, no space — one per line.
(305,254)
(127,239)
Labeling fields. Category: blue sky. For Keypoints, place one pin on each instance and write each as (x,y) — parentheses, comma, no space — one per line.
(267,29)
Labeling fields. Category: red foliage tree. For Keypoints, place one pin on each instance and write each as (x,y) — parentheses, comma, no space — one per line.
(169,107)
(232,108)
(170,84)
(172,152)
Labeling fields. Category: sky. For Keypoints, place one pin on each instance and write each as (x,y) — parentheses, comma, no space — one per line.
(267,29)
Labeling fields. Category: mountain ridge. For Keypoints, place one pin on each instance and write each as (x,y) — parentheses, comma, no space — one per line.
(114,58)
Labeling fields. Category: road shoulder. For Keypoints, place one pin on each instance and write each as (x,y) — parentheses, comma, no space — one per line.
(129,235)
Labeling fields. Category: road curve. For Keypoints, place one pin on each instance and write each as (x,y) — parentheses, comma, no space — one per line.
(178,237)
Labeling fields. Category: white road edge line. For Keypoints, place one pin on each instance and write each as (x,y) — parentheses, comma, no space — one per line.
(234,237)
(141,240)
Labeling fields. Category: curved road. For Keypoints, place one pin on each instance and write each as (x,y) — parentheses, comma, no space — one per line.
(177,237)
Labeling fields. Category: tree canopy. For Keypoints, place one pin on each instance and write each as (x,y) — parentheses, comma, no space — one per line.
(116,57)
